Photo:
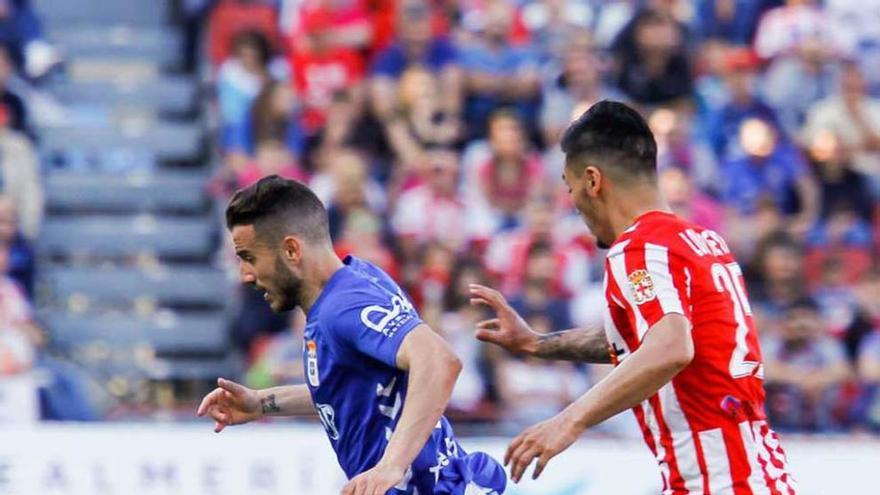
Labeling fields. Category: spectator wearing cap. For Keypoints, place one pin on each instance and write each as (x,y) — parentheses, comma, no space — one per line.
(20,177)
(415,44)
(853,117)
(805,370)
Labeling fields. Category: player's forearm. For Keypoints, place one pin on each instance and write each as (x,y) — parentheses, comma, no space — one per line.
(662,356)
(588,345)
(430,383)
(289,400)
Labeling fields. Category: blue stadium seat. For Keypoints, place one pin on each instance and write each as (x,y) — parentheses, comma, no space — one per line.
(158,44)
(168,285)
(166,331)
(179,192)
(109,236)
(170,141)
(165,94)
(64,13)
(195,369)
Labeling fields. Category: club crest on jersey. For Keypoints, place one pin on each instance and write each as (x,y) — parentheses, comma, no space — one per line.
(312,363)
(642,286)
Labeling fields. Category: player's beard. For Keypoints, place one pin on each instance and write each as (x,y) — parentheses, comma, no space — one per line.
(289,288)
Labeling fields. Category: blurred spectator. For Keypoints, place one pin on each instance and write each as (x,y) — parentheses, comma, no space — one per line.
(532,389)
(324,69)
(421,123)
(651,61)
(277,359)
(613,16)
(415,45)
(679,146)
(272,157)
(689,202)
(230,18)
(438,194)
(839,185)
(805,370)
(20,177)
(798,26)
(772,169)
(859,21)
(240,79)
(275,116)
(539,294)
(854,118)
(344,23)
(19,335)
(868,413)
(551,25)
(777,274)
(498,73)
(20,257)
(507,178)
(838,302)
(361,235)
(730,20)
(508,254)
(576,87)
(344,185)
(457,324)
(22,34)
(742,102)
(15,107)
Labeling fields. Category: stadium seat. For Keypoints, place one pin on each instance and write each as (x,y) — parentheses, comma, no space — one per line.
(109,236)
(195,368)
(156,44)
(72,12)
(165,331)
(164,94)
(167,285)
(179,192)
(169,141)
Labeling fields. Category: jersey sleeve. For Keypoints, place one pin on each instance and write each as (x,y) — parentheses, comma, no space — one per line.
(373,323)
(650,283)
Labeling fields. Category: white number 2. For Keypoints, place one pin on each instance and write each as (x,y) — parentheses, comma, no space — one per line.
(728,278)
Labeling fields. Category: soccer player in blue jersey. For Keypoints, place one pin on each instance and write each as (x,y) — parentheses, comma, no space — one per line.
(377,377)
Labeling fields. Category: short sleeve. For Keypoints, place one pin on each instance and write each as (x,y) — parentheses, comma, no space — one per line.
(652,282)
(374,323)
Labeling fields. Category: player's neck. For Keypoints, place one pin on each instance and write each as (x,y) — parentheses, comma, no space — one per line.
(323,266)
(634,203)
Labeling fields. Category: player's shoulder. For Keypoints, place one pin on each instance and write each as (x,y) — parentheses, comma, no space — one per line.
(672,234)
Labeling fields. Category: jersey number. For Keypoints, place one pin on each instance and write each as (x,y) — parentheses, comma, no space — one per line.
(728,278)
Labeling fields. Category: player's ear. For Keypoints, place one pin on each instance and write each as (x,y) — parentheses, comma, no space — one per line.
(592,180)
(291,249)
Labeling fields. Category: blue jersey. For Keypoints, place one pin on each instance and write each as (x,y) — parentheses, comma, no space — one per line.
(352,336)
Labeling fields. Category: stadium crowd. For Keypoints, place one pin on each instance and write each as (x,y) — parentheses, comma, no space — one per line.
(430,129)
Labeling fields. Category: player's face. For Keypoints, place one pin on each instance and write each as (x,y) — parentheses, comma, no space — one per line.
(590,206)
(262,267)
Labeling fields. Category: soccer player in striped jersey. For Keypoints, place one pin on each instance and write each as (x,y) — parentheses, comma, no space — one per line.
(677,326)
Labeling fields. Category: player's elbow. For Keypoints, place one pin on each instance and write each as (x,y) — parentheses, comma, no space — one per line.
(680,354)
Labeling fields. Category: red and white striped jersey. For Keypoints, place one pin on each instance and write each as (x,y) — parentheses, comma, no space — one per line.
(707,427)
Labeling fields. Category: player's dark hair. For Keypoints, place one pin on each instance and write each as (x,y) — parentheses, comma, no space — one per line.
(613,136)
(277,207)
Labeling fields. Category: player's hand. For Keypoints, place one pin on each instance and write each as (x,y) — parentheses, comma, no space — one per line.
(376,481)
(507,329)
(543,442)
(230,404)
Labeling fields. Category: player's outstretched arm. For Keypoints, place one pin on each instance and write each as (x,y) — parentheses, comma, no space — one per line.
(666,349)
(433,369)
(510,331)
(234,404)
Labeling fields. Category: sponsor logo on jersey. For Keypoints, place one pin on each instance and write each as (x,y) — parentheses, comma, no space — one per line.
(642,286)
(312,363)
(328,418)
(388,319)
